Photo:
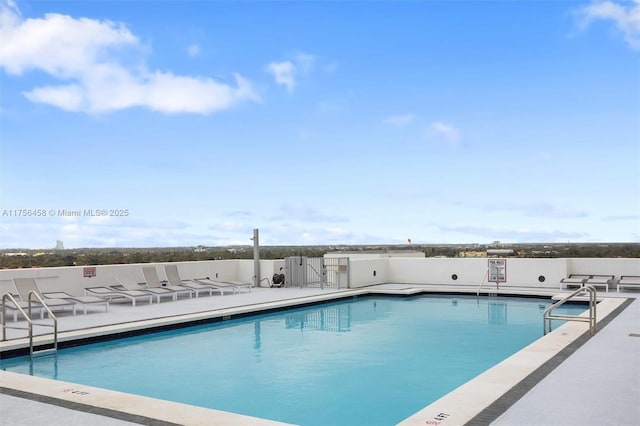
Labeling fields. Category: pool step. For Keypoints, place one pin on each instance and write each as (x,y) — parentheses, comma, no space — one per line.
(44,352)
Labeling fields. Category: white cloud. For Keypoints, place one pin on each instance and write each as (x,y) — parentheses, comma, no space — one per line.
(306,214)
(68,98)
(193,50)
(99,232)
(284,73)
(286,234)
(57,44)
(84,54)
(446,132)
(233,226)
(169,93)
(305,62)
(626,18)
(399,120)
(513,235)
(630,218)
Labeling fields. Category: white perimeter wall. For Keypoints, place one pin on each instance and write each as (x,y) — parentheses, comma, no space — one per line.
(597,266)
(470,271)
(543,273)
(71,279)
(362,272)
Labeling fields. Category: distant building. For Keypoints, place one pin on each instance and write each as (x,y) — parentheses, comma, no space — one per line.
(500,252)
(372,254)
(59,245)
(473,253)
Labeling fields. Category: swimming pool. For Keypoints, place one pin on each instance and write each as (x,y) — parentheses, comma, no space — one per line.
(372,360)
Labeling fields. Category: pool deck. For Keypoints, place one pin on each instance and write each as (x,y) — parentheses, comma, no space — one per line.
(599,384)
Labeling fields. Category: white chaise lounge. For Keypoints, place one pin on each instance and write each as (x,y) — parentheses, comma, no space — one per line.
(24,286)
(600,281)
(234,285)
(173,276)
(128,283)
(153,282)
(19,307)
(573,280)
(84,301)
(632,281)
(110,293)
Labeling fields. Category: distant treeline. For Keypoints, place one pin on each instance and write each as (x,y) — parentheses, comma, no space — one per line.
(20,258)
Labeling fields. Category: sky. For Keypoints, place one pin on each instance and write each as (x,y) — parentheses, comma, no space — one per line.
(182,123)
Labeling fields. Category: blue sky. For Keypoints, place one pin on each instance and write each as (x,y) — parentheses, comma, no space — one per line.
(356,122)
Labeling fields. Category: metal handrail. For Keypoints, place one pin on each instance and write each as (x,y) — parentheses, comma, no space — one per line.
(4,315)
(484,278)
(548,316)
(29,319)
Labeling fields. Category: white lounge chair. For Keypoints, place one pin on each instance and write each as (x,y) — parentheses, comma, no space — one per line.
(235,285)
(631,281)
(14,305)
(24,286)
(600,281)
(84,301)
(573,280)
(153,282)
(174,279)
(158,293)
(109,293)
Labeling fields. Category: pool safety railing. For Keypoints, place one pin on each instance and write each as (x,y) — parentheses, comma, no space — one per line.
(484,280)
(27,316)
(549,316)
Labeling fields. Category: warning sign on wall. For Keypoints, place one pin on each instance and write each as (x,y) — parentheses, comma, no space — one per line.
(497,270)
(89,271)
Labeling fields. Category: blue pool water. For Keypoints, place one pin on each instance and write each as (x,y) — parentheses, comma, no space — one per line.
(372,360)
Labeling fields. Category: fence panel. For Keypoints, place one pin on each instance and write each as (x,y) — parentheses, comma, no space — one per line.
(302,271)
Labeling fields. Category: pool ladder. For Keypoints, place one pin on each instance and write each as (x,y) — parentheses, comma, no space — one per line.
(549,316)
(492,293)
(27,316)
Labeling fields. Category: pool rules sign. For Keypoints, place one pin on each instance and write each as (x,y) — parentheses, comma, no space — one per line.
(497,271)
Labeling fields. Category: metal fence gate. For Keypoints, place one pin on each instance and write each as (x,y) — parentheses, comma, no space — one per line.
(329,272)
